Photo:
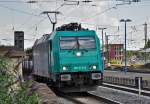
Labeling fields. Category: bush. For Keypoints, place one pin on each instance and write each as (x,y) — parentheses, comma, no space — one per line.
(114,61)
(12,89)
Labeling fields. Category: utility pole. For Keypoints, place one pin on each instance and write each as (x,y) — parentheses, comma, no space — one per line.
(107,47)
(102,36)
(102,43)
(145,33)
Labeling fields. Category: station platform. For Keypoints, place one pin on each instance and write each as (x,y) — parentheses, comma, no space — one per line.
(131,75)
(123,97)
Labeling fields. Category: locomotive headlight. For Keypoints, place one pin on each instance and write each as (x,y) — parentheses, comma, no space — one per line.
(78,54)
(64,68)
(96,76)
(94,67)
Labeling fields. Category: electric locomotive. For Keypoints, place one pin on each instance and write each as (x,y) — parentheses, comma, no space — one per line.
(70,58)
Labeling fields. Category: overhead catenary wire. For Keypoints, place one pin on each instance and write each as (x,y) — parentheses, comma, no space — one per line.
(36,1)
(41,20)
(19,11)
(37,24)
(99,13)
(23,12)
(27,1)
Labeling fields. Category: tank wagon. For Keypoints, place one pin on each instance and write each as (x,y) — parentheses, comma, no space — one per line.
(70,58)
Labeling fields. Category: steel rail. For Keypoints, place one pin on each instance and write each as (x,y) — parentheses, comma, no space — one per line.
(64,95)
(87,94)
(106,100)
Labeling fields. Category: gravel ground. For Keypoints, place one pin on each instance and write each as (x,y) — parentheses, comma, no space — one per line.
(46,95)
(89,100)
(121,96)
(64,101)
(84,99)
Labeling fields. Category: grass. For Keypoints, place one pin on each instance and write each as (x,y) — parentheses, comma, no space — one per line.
(12,89)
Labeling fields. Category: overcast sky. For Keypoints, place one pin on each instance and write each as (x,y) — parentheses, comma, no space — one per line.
(27,17)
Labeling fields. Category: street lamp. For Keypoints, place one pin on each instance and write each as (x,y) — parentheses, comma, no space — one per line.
(125,50)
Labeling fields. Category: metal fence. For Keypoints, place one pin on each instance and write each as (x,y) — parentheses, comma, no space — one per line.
(126,81)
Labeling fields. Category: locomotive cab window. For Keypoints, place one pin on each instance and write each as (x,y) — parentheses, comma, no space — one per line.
(77,43)
(86,43)
(67,43)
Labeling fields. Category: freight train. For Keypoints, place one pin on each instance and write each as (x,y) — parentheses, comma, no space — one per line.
(69,58)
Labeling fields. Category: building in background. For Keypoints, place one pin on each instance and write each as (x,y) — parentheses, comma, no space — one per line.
(19,40)
(16,56)
(15,53)
(116,53)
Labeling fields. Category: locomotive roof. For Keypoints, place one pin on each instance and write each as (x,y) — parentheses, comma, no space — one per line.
(47,37)
(44,38)
(76,33)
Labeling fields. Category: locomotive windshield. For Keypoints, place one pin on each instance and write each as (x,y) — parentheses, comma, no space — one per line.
(77,43)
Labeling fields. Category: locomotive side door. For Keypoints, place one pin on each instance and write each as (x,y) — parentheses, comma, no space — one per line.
(50,58)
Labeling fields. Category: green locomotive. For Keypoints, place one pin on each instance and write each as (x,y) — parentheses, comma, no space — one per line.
(70,58)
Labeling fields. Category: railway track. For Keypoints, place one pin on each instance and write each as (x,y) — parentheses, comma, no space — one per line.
(86,98)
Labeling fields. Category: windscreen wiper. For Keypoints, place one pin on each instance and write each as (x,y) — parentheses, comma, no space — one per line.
(72,48)
(82,48)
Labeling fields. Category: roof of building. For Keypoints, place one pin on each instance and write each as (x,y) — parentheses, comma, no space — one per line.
(6,48)
(15,53)
(11,51)
(115,44)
